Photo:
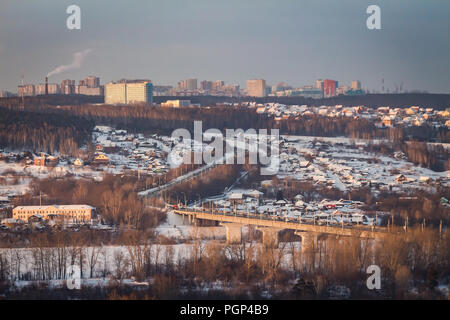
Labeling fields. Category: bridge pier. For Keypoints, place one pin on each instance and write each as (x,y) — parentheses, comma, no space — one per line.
(270,236)
(308,232)
(309,240)
(234,232)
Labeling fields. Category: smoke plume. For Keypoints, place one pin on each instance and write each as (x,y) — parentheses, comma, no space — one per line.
(77,61)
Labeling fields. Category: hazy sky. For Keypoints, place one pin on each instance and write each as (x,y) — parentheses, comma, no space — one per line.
(296,41)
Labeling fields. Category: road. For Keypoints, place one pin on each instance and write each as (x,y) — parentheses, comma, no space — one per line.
(287,223)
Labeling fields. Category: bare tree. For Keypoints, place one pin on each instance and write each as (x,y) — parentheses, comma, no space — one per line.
(121,264)
(92,259)
(139,255)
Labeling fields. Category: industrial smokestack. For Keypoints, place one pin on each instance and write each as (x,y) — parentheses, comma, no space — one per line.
(46,86)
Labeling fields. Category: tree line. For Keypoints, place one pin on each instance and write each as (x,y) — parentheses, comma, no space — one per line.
(115,198)
(148,118)
(65,129)
(330,268)
(43,132)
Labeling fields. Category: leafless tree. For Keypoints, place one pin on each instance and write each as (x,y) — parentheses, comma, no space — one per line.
(92,259)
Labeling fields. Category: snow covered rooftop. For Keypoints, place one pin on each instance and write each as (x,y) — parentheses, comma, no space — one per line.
(236,196)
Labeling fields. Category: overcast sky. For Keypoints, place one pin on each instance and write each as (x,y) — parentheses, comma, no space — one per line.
(296,41)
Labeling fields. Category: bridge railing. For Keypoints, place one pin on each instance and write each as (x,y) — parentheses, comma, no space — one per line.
(300,220)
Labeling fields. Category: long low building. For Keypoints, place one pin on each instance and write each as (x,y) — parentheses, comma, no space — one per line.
(68,213)
(176,103)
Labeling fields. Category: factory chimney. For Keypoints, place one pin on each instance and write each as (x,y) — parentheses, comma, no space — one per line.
(46,86)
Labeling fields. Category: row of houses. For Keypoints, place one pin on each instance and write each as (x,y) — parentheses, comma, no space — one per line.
(50,160)
(324,211)
(382,116)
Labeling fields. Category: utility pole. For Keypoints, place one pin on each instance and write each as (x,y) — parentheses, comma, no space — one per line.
(376,218)
(23,100)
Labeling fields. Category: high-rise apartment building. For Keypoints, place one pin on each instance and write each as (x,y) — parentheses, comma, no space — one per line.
(139,92)
(82,89)
(188,84)
(90,86)
(218,84)
(26,90)
(342,90)
(206,85)
(129,92)
(329,88)
(92,82)
(356,85)
(256,88)
(68,86)
(319,84)
(115,93)
(53,88)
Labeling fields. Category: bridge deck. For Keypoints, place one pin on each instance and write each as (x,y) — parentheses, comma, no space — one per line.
(276,222)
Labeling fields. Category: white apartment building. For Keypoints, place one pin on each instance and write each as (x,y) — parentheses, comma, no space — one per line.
(129,92)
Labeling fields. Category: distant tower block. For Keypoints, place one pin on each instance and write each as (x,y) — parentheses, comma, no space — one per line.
(356,85)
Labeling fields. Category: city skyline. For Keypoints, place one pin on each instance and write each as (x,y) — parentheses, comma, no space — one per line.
(233,41)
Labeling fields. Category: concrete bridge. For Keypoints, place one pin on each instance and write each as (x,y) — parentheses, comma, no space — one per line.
(184,178)
(272,225)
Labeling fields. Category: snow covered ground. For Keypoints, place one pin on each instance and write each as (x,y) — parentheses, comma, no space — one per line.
(25,173)
(337,162)
(177,228)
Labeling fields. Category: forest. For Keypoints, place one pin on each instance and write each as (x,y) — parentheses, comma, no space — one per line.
(396,100)
(65,129)
(146,118)
(43,132)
